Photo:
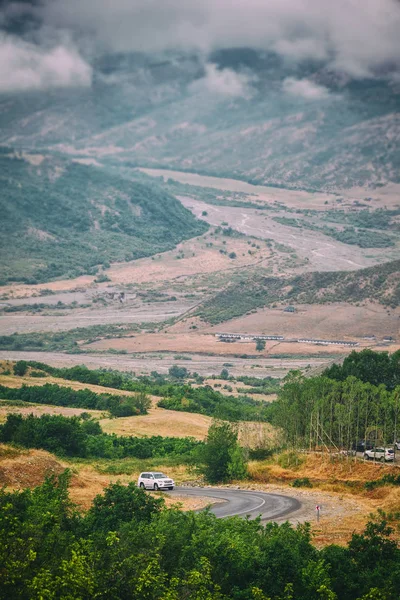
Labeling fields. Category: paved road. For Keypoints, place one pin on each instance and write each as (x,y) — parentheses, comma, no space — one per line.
(244,503)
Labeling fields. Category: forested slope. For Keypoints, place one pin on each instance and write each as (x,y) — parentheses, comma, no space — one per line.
(61,218)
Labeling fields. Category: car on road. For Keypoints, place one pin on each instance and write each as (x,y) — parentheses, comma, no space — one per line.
(154,480)
(382,454)
(362,446)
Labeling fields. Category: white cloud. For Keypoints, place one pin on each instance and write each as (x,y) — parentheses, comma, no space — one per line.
(353,36)
(223,82)
(26,66)
(304,88)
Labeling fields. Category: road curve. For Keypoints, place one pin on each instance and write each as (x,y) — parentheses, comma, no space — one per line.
(243,503)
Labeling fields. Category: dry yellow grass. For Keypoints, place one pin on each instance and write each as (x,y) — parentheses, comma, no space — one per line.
(321,470)
(171,423)
(168,423)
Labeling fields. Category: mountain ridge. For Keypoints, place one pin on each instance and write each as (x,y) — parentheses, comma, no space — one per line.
(246,118)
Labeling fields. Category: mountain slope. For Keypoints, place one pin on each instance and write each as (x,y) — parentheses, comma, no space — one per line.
(61,218)
(380,284)
(166,111)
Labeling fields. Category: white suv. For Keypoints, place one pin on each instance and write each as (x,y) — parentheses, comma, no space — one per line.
(155,481)
(382,454)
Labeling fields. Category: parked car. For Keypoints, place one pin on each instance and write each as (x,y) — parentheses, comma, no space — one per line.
(362,446)
(382,454)
(155,481)
(397,445)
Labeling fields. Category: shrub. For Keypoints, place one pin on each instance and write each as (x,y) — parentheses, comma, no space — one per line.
(302,482)
(290,460)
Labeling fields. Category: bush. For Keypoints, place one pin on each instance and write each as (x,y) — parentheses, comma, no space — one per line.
(290,460)
(260,345)
(302,482)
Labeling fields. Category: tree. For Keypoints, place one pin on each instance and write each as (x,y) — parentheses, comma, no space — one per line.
(260,345)
(224,374)
(20,368)
(121,504)
(178,372)
(221,458)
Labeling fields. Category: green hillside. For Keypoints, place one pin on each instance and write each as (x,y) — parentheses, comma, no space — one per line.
(62,219)
(380,283)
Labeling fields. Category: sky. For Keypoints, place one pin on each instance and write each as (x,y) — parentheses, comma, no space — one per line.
(53,43)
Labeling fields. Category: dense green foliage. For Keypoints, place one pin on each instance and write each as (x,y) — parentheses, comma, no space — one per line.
(324,412)
(220,458)
(128,546)
(118,406)
(175,395)
(380,283)
(369,366)
(65,219)
(81,437)
(206,401)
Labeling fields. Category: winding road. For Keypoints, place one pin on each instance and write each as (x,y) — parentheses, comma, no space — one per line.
(243,503)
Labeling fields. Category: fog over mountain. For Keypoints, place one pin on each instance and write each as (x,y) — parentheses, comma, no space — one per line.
(300,93)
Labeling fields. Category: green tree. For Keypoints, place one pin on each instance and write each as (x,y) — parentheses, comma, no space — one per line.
(178,372)
(20,368)
(224,374)
(121,504)
(221,458)
(260,345)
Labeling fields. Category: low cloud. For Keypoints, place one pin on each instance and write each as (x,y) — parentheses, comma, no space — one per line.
(356,37)
(223,82)
(26,66)
(305,88)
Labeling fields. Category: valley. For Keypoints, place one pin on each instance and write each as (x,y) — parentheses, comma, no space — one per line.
(199,300)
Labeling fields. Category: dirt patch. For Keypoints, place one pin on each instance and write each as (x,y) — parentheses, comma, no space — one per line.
(28,468)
